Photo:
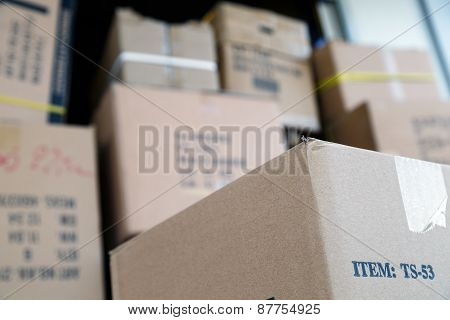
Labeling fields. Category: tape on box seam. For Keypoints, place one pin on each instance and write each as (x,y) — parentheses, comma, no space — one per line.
(423,192)
(366,76)
(163,60)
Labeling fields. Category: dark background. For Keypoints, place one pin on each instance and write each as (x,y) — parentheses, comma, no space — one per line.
(93,19)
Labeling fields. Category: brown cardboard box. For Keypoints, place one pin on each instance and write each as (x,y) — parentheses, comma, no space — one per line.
(266,54)
(34,65)
(49,209)
(391,74)
(321,221)
(150,184)
(413,129)
(133,37)
(262,28)
(260,72)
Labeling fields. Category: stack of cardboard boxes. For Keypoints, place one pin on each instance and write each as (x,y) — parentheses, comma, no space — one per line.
(48,191)
(267,54)
(321,220)
(200,180)
(155,115)
(164,153)
(382,99)
(144,51)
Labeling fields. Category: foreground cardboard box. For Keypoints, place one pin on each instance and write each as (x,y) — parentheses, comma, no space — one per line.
(390,74)
(141,51)
(150,138)
(321,221)
(266,54)
(35,67)
(413,129)
(49,209)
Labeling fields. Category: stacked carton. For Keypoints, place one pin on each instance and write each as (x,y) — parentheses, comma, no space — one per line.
(350,74)
(162,150)
(35,53)
(167,70)
(313,223)
(144,51)
(266,54)
(50,243)
(382,99)
(415,129)
(49,208)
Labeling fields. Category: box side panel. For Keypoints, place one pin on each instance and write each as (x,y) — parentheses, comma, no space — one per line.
(254,239)
(366,232)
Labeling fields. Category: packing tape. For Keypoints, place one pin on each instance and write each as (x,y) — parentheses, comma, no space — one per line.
(163,60)
(391,67)
(355,76)
(30,104)
(423,192)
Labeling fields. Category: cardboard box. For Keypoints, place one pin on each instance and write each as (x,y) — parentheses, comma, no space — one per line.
(415,129)
(144,51)
(156,163)
(48,210)
(321,221)
(266,54)
(261,28)
(259,72)
(369,73)
(34,65)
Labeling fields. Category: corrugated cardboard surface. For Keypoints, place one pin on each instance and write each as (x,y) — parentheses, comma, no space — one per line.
(257,71)
(417,129)
(337,57)
(291,234)
(171,191)
(56,167)
(33,64)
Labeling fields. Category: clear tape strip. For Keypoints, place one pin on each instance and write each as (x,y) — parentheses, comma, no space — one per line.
(424,193)
(163,60)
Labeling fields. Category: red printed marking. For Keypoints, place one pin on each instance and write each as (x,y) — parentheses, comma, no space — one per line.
(53,161)
(9,161)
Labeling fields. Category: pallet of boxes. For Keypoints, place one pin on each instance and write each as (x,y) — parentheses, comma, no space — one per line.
(385,100)
(48,190)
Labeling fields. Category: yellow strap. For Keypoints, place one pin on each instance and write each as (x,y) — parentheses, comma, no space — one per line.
(25,103)
(374,77)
